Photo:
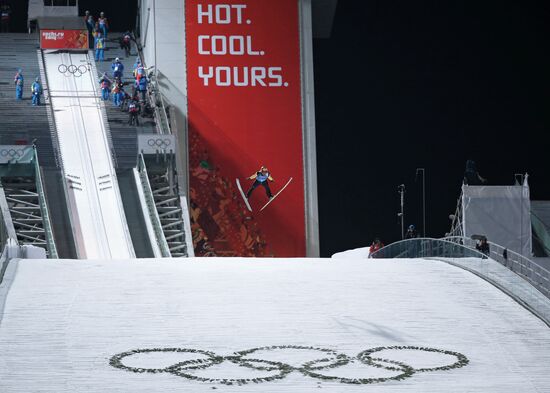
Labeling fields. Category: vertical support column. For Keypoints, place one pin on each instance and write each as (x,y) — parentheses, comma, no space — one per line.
(308,127)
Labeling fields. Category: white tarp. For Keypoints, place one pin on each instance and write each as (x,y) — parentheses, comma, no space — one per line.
(501,213)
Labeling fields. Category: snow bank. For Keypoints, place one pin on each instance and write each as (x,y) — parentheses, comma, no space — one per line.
(362,252)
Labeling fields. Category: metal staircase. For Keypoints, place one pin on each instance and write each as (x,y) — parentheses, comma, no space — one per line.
(24,209)
(165,208)
(168,206)
(23,123)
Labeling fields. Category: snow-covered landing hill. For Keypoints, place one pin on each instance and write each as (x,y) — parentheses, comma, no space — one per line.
(176,325)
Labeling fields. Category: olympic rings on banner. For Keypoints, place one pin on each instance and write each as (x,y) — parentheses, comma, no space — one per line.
(67,70)
(163,143)
(12,153)
(329,359)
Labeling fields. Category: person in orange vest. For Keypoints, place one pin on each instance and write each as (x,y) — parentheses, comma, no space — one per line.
(118,92)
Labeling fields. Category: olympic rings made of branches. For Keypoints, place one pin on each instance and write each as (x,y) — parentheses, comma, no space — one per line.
(278,370)
(77,71)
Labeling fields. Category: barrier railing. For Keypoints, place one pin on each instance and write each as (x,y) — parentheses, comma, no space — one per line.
(426,248)
(458,251)
(7,230)
(531,271)
(48,231)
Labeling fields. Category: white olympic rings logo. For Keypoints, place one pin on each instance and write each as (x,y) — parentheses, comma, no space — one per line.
(329,360)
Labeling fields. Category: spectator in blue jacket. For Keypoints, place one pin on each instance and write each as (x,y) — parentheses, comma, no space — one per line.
(118,68)
(18,81)
(36,89)
(142,86)
(105,84)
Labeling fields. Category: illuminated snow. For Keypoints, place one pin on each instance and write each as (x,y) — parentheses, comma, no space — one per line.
(64,320)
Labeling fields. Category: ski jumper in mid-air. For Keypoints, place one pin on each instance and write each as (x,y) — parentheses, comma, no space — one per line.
(260,178)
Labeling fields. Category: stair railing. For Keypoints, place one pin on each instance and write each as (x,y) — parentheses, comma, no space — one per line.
(152,209)
(7,229)
(46,222)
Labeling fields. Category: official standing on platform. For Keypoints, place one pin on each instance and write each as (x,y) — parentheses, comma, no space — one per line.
(36,89)
(99,47)
(105,84)
(118,68)
(19,81)
(103,24)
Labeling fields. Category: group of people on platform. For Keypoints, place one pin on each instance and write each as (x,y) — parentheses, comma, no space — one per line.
(97,33)
(36,88)
(134,103)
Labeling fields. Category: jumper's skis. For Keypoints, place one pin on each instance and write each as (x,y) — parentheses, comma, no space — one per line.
(242,194)
(275,196)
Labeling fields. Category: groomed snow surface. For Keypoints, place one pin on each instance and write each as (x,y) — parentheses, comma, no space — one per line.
(64,321)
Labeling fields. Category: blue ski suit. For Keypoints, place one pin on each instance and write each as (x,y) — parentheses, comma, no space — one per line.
(18,80)
(36,89)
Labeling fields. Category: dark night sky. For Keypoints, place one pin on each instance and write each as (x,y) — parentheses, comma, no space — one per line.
(407,84)
(402,85)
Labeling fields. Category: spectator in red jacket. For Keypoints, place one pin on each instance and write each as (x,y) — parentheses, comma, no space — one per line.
(375,246)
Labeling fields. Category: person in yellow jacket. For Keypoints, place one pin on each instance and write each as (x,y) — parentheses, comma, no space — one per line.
(99,47)
(36,90)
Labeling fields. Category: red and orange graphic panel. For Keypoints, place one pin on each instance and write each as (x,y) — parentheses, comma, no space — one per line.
(64,39)
(244,112)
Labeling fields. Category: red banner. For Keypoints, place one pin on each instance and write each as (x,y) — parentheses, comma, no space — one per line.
(64,39)
(244,102)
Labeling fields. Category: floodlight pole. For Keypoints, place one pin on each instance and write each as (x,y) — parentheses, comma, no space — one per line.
(401,190)
(423,170)
(155,40)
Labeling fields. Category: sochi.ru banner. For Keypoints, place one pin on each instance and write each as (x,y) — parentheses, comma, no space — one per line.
(63,39)
(244,100)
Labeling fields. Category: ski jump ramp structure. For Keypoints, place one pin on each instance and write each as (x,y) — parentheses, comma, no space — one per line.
(93,197)
(261,325)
